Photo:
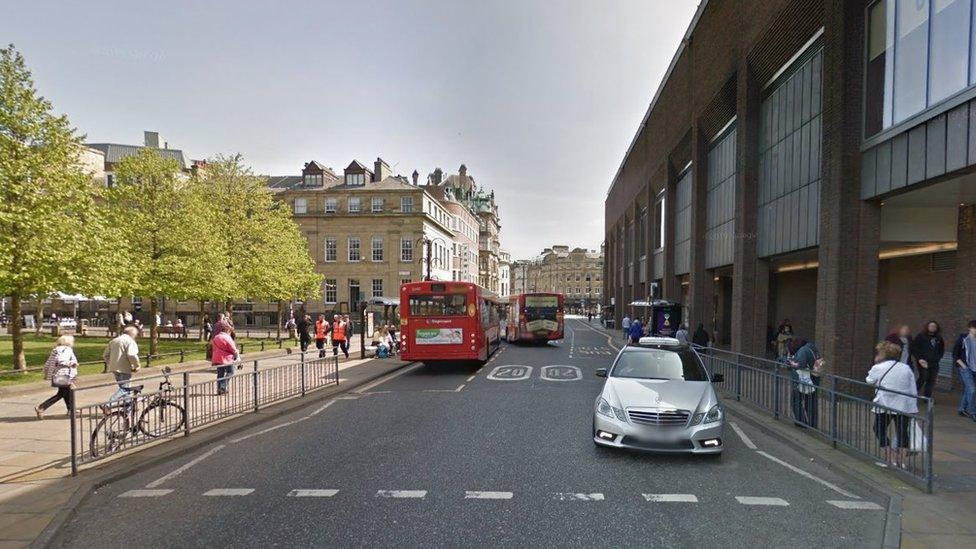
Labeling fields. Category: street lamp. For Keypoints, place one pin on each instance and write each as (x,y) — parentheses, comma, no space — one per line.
(428,244)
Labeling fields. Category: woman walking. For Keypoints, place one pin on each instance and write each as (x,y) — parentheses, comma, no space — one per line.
(225,356)
(805,366)
(62,369)
(895,397)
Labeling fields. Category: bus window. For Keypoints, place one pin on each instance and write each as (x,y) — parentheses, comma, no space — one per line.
(438,305)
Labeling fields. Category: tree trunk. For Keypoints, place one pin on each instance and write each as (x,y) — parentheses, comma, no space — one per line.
(153,327)
(38,315)
(17,332)
(203,307)
(281,312)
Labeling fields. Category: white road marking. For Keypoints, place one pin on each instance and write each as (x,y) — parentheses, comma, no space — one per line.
(671,498)
(570,496)
(384,379)
(561,372)
(312,493)
(268,430)
(867,505)
(229,492)
(145,493)
(401,494)
(745,439)
(511,372)
(803,473)
(458,390)
(320,408)
(750,500)
(487,495)
(180,470)
(470,379)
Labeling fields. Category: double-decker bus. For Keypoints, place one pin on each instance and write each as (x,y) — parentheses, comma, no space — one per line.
(536,317)
(448,321)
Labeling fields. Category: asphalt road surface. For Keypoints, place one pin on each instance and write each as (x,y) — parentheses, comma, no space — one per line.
(496,456)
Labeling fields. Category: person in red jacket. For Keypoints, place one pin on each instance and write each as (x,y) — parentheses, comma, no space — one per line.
(340,326)
(321,331)
(225,355)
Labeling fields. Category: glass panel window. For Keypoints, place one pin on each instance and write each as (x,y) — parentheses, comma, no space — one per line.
(406,249)
(331,249)
(301,206)
(330,205)
(659,225)
(911,57)
(377,248)
(377,287)
(880,63)
(356,179)
(949,56)
(377,204)
(329,290)
(438,305)
(406,204)
(354,204)
(354,249)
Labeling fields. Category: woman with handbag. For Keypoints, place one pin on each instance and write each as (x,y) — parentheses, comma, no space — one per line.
(61,368)
(896,400)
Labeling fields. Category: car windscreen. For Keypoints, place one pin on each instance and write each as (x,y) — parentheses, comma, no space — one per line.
(438,305)
(660,364)
(541,307)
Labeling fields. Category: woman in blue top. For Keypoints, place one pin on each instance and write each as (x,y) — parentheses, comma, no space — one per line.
(636,330)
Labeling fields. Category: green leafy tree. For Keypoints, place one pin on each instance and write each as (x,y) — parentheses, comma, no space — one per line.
(53,235)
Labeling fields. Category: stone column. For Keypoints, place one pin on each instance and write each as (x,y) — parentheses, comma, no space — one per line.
(965,305)
(701,288)
(671,289)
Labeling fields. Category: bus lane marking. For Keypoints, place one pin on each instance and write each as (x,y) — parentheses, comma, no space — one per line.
(561,372)
(512,372)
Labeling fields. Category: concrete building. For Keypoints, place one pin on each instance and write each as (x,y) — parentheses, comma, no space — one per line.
(810,160)
(504,273)
(577,273)
(464,227)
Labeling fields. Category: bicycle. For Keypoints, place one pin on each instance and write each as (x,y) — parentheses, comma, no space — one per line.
(161,416)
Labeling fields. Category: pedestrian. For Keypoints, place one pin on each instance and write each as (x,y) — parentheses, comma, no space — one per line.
(964,357)
(783,337)
(303,326)
(321,330)
(625,324)
(119,323)
(225,356)
(895,396)
(636,331)
(394,342)
(903,339)
(805,365)
(126,318)
(207,328)
(62,369)
(928,348)
(121,357)
(339,329)
(682,334)
(701,339)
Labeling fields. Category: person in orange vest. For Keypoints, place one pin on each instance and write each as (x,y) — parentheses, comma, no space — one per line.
(321,330)
(339,341)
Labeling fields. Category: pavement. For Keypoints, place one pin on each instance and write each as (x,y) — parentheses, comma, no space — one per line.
(469,455)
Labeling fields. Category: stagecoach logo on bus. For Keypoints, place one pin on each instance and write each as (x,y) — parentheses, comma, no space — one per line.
(439,336)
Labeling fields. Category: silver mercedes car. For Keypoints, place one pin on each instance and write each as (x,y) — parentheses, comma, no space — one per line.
(658,397)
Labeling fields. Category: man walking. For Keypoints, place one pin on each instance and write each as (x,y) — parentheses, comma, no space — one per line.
(340,325)
(964,357)
(121,357)
(928,349)
(321,330)
(625,324)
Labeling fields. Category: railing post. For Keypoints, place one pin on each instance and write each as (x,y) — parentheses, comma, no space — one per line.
(336,368)
(262,345)
(280,342)
(148,360)
(254,377)
(72,415)
(186,404)
(833,411)
(776,391)
(930,431)
(738,381)
(182,356)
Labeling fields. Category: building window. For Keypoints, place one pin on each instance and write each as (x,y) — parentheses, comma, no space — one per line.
(377,204)
(949,58)
(329,290)
(301,206)
(330,205)
(406,204)
(659,225)
(406,249)
(331,249)
(405,281)
(110,180)
(354,204)
(354,296)
(377,248)
(313,180)
(355,179)
(354,250)
(377,287)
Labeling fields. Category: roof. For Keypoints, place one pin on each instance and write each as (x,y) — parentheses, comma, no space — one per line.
(357,164)
(391,183)
(283,182)
(114,152)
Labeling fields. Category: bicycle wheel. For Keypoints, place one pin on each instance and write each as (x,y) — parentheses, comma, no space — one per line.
(109,434)
(162,418)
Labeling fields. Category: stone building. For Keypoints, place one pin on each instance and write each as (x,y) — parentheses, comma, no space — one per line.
(811,160)
(576,273)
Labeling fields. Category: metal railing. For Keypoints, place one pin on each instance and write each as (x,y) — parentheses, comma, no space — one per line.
(838,409)
(102,429)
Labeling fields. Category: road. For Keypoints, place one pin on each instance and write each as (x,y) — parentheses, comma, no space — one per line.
(496,456)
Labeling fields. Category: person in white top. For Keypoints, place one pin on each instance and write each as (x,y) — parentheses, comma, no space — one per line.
(895,397)
(62,369)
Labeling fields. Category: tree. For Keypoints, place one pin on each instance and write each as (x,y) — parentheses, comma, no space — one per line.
(166,227)
(52,232)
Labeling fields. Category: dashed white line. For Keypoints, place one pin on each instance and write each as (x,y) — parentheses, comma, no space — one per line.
(458,390)
(803,473)
(571,496)
(268,430)
(401,494)
(145,493)
(312,493)
(745,439)
(177,472)
(487,495)
(866,505)
(671,498)
(751,500)
(228,492)
(470,379)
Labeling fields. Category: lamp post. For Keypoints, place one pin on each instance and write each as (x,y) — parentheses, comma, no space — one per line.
(428,244)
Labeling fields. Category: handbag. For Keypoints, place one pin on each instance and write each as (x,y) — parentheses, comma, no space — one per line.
(60,380)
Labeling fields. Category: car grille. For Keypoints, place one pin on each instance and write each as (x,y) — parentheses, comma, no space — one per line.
(659,418)
(683,444)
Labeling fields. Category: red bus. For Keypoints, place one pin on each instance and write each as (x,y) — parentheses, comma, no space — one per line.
(535,317)
(448,321)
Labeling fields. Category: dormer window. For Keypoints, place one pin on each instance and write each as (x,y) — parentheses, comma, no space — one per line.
(313,180)
(355,179)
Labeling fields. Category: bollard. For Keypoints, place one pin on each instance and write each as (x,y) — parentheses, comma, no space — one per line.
(148,360)
(279,343)
(262,345)
(186,404)
(182,356)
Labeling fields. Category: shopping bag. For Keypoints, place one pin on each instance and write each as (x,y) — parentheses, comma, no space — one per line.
(918,442)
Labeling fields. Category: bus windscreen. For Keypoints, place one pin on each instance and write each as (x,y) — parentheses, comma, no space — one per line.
(543,307)
(438,305)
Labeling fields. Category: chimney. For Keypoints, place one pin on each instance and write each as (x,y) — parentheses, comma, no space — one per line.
(463,170)
(381,170)
(415,177)
(151,139)
(437,176)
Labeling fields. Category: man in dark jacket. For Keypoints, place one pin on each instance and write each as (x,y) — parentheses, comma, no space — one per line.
(964,358)
(928,348)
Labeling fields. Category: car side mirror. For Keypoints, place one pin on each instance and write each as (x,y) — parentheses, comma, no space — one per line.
(601,372)
(718,378)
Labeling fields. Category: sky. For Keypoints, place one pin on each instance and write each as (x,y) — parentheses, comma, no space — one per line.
(539,98)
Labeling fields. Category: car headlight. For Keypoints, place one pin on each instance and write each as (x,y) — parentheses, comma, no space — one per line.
(604,409)
(713,415)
